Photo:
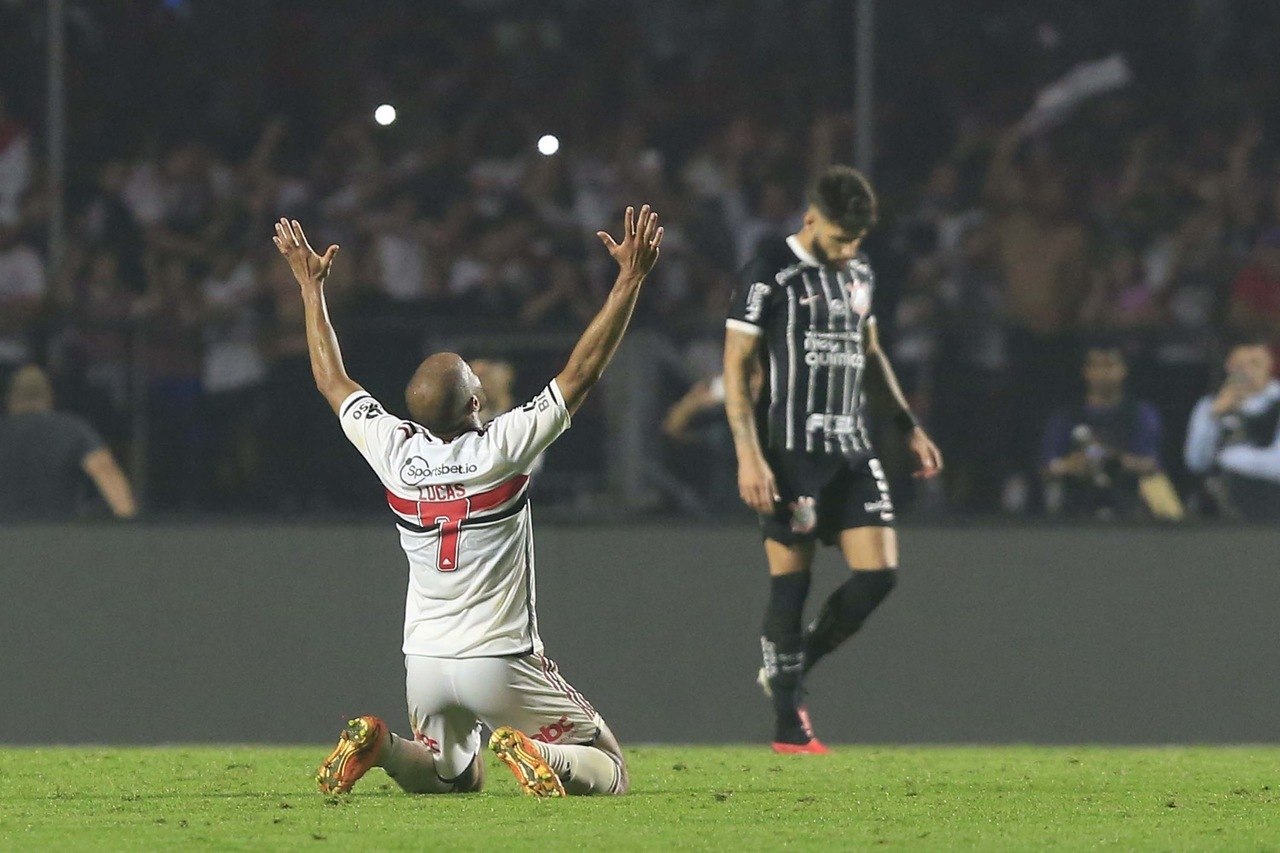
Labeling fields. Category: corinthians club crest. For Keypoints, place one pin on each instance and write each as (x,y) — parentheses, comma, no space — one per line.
(858,288)
(859,294)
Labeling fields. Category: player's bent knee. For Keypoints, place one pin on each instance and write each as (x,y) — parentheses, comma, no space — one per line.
(623,783)
(888,579)
(881,580)
(607,743)
(471,781)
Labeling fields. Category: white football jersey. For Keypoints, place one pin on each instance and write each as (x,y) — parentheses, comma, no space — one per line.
(462,507)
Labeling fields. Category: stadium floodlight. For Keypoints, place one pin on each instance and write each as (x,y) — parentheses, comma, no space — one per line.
(385,114)
(548,145)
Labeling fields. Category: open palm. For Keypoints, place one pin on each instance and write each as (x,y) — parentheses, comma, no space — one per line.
(641,237)
(308,267)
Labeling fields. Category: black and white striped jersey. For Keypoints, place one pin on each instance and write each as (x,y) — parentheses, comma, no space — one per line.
(813,318)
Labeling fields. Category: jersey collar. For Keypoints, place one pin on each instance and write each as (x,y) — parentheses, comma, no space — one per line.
(800,252)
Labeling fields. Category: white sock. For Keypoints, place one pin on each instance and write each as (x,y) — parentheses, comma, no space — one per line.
(582,769)
(412,766)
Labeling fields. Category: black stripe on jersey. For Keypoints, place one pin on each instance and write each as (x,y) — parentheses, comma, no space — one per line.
(352,402)
(466,523)
(554,390)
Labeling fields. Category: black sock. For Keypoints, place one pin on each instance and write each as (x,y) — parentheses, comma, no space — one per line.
(844,612)
(783,648)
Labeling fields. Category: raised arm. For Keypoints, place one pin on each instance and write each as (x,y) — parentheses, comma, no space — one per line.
(635,255)
(311,270)
(882,385)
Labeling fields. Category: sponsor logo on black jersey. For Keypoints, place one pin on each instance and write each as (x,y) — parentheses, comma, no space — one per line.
(833,349)
(755,301)
(831,424)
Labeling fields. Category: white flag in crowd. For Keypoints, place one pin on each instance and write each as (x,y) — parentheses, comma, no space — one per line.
(1085,81)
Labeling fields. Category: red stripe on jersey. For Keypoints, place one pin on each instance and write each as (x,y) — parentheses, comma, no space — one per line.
(426,512)
(450,514)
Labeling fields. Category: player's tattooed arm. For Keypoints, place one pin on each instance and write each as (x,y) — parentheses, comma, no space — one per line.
(756,484)
(883,387)
(312,270)
(636,255)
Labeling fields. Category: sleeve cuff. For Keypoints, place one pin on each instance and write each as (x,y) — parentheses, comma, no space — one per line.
(558,396)
(743,326)
(351,400)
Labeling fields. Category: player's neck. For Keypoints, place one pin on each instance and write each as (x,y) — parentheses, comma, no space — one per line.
(472,424)
(804,240)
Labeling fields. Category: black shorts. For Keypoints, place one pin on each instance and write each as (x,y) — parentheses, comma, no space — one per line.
(846,494)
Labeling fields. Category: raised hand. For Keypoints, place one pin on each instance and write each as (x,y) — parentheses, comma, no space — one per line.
(641,237)
(308,267)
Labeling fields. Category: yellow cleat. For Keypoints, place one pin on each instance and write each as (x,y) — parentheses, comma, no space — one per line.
(521,754)
(358,749)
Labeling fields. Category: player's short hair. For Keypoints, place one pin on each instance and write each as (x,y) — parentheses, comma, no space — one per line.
(844,196)
(439,394)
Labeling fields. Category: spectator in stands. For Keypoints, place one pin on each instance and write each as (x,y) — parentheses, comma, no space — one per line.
(44,456)
(1255,294)
(704,397)
(233,374)
(15,163)
(22,291)
(169,324)
(971,371)
(1043,253)
(701,445)
(1096,453)
(1234,437)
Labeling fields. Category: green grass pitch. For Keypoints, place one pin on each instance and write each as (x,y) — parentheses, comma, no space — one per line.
(728,798)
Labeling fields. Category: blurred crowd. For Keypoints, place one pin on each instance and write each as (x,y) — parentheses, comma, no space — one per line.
(1143,224)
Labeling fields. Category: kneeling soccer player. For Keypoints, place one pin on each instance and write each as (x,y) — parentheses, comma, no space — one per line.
(458,489)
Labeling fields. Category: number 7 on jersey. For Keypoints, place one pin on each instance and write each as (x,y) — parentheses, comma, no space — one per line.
(449,515)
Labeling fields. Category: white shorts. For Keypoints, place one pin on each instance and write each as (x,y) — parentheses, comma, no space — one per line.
(449,698)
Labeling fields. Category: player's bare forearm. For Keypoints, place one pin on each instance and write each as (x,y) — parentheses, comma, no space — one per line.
(599,342)
(882,385)
(322,346)
(882,382)
(636,255)
(311,270)
(740,351)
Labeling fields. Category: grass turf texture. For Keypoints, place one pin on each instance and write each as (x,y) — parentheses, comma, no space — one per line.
(739,798)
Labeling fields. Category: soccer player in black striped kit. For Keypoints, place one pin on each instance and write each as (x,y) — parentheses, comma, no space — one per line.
(802,316)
